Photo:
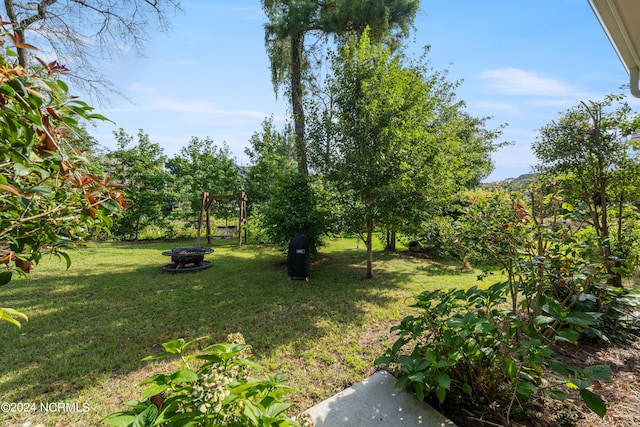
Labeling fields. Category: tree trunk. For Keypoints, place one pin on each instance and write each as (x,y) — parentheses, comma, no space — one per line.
(391,241)
(369,243)
(297,41)
(615,278)
(19,32)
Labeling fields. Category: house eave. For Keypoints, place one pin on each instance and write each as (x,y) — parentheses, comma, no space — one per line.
(620,20)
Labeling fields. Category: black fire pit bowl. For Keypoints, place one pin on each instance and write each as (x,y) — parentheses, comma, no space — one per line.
(189,258)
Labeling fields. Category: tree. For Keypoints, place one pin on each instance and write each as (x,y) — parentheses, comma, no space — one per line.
(291,20)
(51,196)
(590,147)
(148,186)
(295,207)
(81,31)
(272,156)
(393,141)
(202,167)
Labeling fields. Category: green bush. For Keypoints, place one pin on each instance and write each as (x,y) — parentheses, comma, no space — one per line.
(464,347)
(214,387)
(294,208)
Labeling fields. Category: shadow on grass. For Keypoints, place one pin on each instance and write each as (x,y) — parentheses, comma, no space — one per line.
(100,318)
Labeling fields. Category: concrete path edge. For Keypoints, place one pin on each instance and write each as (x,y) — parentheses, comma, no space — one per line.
(376,402)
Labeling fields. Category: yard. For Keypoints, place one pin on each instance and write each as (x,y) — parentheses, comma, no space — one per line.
(90,326)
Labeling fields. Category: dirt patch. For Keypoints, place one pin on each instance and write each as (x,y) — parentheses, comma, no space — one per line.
(622,393)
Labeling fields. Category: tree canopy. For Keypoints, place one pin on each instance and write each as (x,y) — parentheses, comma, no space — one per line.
(291,20)
(393,139)
(591,148)
(202,166)
(140,167)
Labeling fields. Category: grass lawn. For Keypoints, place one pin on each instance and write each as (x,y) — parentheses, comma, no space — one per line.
(90,326)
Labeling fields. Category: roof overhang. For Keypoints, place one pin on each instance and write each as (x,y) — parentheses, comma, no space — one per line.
(620,20)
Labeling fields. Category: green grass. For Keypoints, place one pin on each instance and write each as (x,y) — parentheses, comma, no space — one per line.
(90,326)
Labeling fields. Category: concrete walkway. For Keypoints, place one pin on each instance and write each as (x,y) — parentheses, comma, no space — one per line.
(375,402)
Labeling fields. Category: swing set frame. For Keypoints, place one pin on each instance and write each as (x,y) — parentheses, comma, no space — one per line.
(241,203)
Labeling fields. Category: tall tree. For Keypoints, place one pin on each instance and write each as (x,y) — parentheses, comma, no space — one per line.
(291,20)
(394,149)
(590,146)
(272,156)
(202,166)
(81,31)
(140,167)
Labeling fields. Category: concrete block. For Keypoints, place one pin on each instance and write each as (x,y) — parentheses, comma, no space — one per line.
(375,402)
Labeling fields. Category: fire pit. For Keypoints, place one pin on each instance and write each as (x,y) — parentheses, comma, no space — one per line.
(190,258)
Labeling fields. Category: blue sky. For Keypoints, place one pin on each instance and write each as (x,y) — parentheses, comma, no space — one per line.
(521,62)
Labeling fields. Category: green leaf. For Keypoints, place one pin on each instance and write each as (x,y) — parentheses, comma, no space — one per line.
(598,372)
(155,379)
(509,367)
(252,412)
(444,380)
(526,388)
(5,277)
(561,367)
(7,90)
(556,394)
(153,390)
(441,394)
(581,318)
(147,417)
(184,376)
(45,191)
(402,382)
(119,419)
(21,170)
(417,377)
(580,383)
(466,388)
(554,307)
(543,320)
(594,402)
(569,335)
(173,346)
(419,389)
(66,257)
(276,409)
(63,85)
(567,206)
(98,117)
(382,360)
(9,315)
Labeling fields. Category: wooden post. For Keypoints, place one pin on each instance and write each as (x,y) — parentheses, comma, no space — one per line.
(208,224)
(202,209)
(241,199)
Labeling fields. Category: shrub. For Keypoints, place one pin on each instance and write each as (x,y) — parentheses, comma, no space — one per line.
(463,346)
(214,387)
(294,208)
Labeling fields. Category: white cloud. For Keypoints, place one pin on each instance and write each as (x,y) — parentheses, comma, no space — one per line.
(514,81)
(206,108)
(507,108)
